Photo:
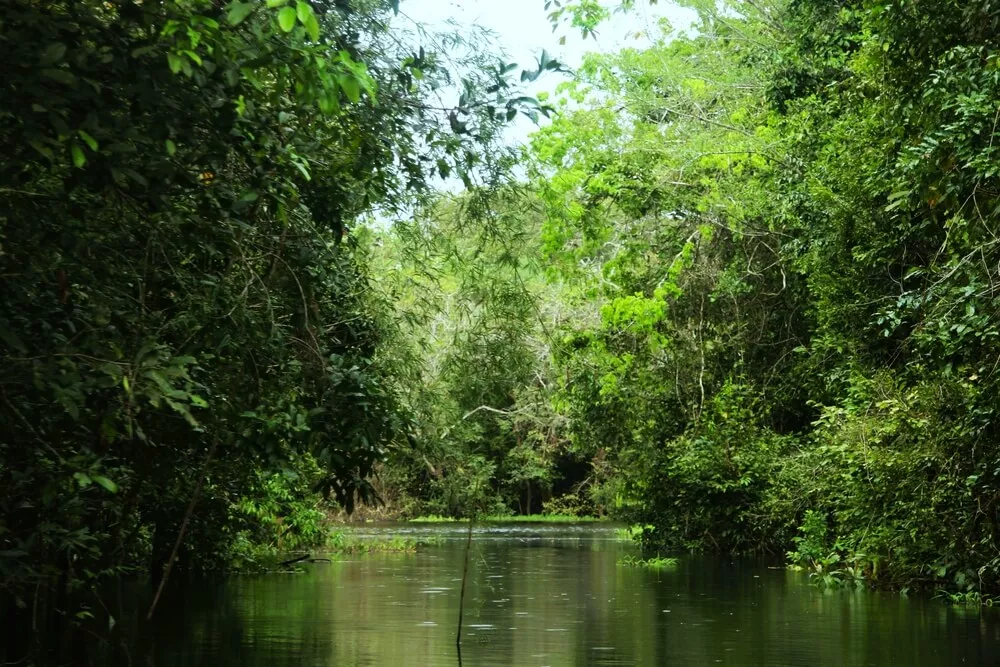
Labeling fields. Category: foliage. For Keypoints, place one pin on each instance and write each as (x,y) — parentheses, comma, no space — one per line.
(569,504)
(967,598)
(632,533)
(782,227)
(472,299)
(190,325)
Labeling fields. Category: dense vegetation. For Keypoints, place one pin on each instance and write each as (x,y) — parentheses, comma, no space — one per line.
(795,236)
(194,352)
(741,290)
(766,312)
(789,223)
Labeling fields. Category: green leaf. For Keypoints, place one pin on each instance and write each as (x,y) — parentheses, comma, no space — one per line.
(60,75)
(328,103)
(171,147)
(89,140)
(79,159)
(238,12)
(82,478)
(304,10)
(274,4)
(41,148)
(106,483)
(54,53)
(286,19)
(11,339)
(351,87)
(312,27)
(302,168)
(136,176)
(175,62)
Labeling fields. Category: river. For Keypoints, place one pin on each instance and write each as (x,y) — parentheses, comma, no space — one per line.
(555,595)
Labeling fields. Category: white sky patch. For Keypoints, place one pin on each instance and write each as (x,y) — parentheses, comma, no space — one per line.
(523,30)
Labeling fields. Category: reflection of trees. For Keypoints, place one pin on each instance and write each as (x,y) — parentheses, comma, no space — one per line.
(368,612)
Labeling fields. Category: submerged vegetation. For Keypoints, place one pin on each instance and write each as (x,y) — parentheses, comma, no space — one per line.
(742,290)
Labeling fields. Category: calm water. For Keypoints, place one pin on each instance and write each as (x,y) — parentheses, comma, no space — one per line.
(554,595)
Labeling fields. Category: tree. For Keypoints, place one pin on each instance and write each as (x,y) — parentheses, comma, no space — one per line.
(187,321)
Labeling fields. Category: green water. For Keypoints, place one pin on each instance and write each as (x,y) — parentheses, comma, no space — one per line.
(554,595)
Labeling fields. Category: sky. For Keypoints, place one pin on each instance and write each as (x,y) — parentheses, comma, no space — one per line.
(522,29)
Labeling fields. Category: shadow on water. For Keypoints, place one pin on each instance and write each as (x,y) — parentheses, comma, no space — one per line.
(549,595)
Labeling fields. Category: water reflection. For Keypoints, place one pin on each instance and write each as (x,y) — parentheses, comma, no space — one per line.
(555,596)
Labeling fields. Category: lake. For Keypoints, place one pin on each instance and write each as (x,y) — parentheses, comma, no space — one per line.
(553,595)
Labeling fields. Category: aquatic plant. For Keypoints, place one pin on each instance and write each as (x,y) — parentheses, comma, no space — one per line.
(970,598)
(513,518)
(344,543)
(653,562)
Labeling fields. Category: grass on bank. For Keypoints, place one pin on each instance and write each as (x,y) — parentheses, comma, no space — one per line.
(516,518)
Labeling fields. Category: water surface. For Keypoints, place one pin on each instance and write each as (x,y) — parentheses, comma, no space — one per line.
(555,595)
